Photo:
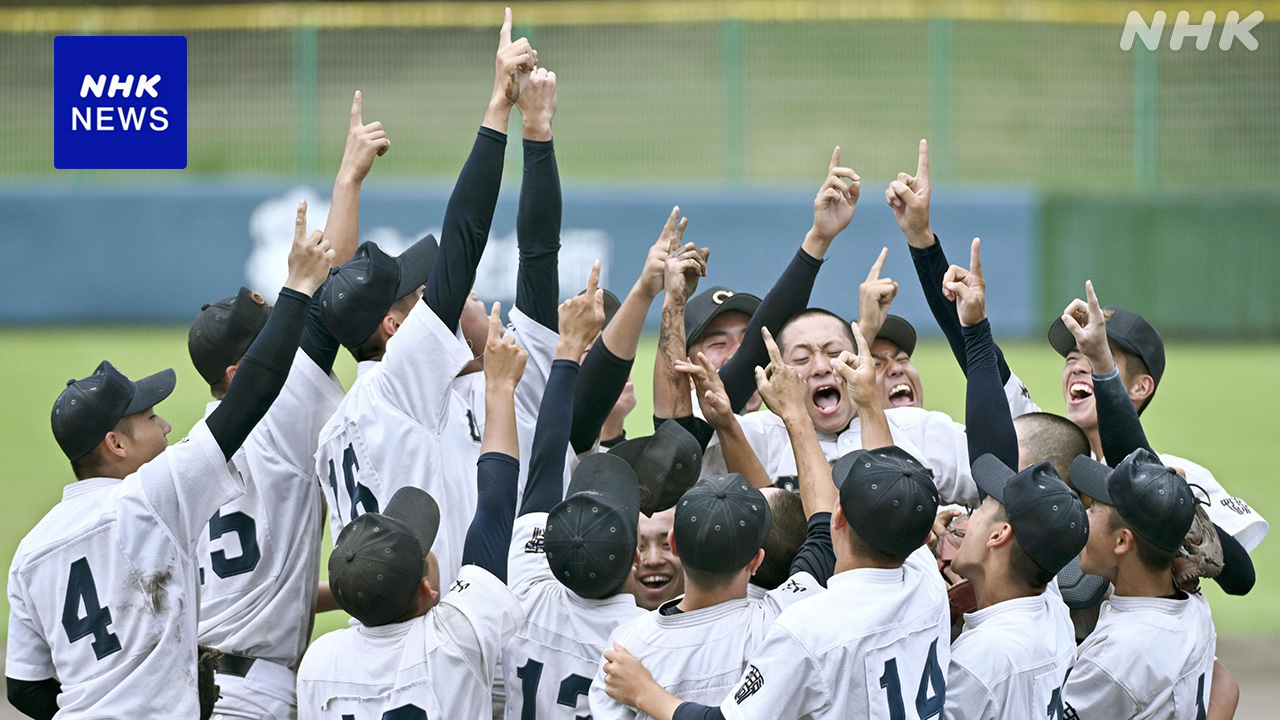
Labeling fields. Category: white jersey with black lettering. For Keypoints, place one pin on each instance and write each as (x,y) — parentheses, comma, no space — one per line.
(699,655)
(1011,660)
(551,660)
(1148,659)
(102,592)
(437,665)
(260,554)
(874,645)
(1232,514)
(401,424)
(933,438)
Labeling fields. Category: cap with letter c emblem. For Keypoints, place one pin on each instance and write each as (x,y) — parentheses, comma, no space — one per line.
(709,303)
(719,296)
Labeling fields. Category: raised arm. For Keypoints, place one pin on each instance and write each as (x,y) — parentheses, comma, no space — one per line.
(608,364)
(498,469)
(859,375)
(875,297)
(987,417)
(684,266)
(265,366)
(364,143)
(539,211)
(738,455)
(833,208)
(579,319)
(469,214)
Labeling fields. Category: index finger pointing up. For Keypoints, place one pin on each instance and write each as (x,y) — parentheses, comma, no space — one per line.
(300,225)
(975,258)
(878,265)
(593,280)
(922,165)
(495,322)
(835,160)
(355,111)
(775,356)
(504,36)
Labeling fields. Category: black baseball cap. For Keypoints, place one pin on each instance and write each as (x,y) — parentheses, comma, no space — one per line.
(1047,516)
(359,292)
(380,558)
(1154,499)
(706,305)
(611,305)
(666,463)
(223,332)
(899,332)
(720,523)
(1127,329)
(888,498)
(590,538)
(87,409)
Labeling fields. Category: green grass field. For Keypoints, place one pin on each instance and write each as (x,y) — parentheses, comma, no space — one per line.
(1222,422)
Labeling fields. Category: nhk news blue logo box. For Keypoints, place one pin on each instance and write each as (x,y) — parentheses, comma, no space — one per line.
(119,102)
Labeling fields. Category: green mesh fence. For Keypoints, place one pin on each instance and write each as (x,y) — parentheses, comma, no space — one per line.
(1053,105)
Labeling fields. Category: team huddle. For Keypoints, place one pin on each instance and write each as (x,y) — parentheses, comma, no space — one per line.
(798,537)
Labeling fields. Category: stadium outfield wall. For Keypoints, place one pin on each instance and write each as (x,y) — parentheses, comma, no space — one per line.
(155,254)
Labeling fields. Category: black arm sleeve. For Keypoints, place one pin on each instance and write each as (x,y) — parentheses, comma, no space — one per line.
(600,384)
(1237,576)
(788,296)
(489,535)
(538,235)
(817,556)
(694,711)
(545,486)
(261,374)
(700,429)
(34,698)
(988,421)
(1118,424)
(466,228)
(317,342)
(931,265)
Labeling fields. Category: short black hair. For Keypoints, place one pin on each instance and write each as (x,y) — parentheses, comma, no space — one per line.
(1133,365)
(709,581)
(1021,567)
(91,464)
(784,539)
(1053,439)
(818,312)
(1154,558)
(375,346)
(864,550)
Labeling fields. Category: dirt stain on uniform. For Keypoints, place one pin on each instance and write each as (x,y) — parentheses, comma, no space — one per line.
(156,589)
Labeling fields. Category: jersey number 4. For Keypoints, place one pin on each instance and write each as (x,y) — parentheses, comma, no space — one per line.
(530,675)
(358,494)
(81,589)
(927,704)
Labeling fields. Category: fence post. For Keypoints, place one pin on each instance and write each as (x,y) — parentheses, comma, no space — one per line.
(733,110)
(1146,116)
(941,97)
(306,104)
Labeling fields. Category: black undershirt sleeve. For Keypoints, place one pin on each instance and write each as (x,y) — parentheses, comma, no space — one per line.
(317,342)
(465,233)
(695,711)
(788,296)
(700,429)
(545,487)
(817,556)
(489,535)
(1237,576)
(538,235)
(261,374)
(600,383)
(931,265)
(34,698)
(988,421)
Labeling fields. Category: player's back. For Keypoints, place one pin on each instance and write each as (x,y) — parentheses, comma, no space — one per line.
(1148,658)
(102,590)
(260,554)
(874,645)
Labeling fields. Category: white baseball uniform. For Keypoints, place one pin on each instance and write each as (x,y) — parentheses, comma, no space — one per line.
(1011,660)
(437,665)
(102,592)
(402,424)
(933,438)
(1147,658)
(1232,514)
(699,655)
(874,645)
(260,554)
(551,660)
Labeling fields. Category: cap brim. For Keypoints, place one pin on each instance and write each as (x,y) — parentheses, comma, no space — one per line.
(991,476)
(1079,589)
(739,302)
(1061,338)
(1090,478)
(415,265)
(840,471)
(611,479)
(419,511)
(899,332)
(151,391)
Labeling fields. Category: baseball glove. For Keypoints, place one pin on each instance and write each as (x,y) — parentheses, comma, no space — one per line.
(1200,555)
(209,691)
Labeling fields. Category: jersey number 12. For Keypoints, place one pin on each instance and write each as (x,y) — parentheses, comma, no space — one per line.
(530,675)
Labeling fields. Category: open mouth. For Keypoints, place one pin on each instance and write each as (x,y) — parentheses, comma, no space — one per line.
(901,395)
(1078,392)
(655,581)
(827,399)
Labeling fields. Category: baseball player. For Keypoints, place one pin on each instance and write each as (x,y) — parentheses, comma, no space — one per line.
(416,654)
(1151,654)
(874,644)
(102,619)
(259,558)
